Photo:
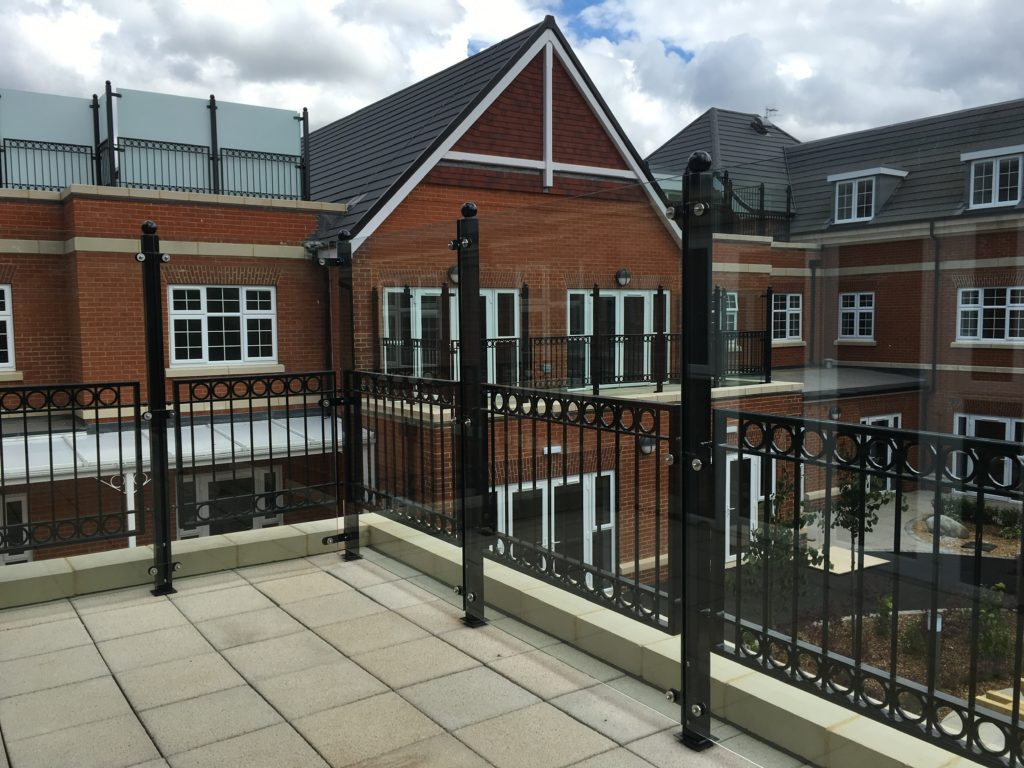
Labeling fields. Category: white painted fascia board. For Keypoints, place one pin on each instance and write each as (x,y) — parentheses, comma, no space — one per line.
(450,141)
(538,165)
(980,154)
(879,171)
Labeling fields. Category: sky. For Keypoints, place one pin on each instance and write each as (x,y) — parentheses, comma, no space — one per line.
(826,66)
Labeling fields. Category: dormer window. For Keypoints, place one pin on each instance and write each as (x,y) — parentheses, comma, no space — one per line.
(855,200)
(856,196)
(995,176)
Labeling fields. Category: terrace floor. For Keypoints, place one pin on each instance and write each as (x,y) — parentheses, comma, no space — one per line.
(313,662)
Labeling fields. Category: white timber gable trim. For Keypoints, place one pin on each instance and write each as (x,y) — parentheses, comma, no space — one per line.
(549,44)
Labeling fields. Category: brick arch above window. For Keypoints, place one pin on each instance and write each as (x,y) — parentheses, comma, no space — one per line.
(209,274)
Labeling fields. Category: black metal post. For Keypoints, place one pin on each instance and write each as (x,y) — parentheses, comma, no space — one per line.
(479,513)
(445,352)
(158,414)
(214,147)
(525,350)
(769,334)
(97,160)
(660,347)
(353,462)
(305,154)
(697,480)
(718,346)
(595,354)
(111,144)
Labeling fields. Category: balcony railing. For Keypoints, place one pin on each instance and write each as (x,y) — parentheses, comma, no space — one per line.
(581,361)
(147,164)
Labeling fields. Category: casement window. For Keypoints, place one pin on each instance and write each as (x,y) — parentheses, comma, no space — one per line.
(413,343)
(6,329)
(855,200)
(625,322)
(229,501)
(996,181)
(573,516)
(991,314)
(857,315)
(1003,471)
(13,531)
(216,324)
(731,318)
(787,316)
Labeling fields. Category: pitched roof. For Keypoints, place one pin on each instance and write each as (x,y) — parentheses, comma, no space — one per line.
(927,149)
(736,145)
(370,159)
(361,158)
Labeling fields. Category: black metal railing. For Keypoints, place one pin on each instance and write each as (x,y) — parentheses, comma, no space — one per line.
(581,489)
(407,431)
(71,466)
(147,164)
(251,449)
(45,165)
(878,568)
(741,356)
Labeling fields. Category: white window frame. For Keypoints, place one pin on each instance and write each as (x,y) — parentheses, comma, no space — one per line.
(590,523)
(490,297)
(7,319)
(862,307)
(202,494)
(857,189)
(620,296)
(971,311)
(203,316)
(24,555)
(994,191)
(731,318)
(965,424)
(882,452)
(794,307)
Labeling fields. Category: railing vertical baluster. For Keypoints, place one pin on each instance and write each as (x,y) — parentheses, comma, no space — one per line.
(768,335)
(596,367)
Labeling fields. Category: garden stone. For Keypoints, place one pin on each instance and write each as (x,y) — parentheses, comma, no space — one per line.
(948,526)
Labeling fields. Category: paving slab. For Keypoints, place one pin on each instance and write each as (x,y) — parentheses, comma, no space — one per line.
(361,573)
(115,598)
(584,662)
(486,643)
(186,725)
(438,752)
(280,569)
(291,589)
(251,627)
(413,662)
(42,638)
(369,633)
(134,619)
(278,746)
(49,670)
(330,609)
(525,632)
(115,743)
(612,713)
(216,603)
(160,684)
(616,758)
(33,714)
(544,675)
(42,613)
(398,594)
(436,617)
(467,697)
(540,736)
(365,729)
(126,653)
(280,655)
(208,582)
(664,750)
(315,689)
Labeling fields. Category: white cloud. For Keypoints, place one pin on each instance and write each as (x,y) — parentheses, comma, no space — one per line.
(828,67)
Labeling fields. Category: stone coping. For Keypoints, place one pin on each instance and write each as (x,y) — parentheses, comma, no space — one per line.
(805,725)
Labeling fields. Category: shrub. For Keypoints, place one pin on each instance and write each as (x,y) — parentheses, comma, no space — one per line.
(883,619)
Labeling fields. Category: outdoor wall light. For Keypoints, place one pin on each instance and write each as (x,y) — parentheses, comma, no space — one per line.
(646,445)
(453,274)
(835,412)
(622,277)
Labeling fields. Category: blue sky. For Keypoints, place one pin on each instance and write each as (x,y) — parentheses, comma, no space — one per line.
(827,66)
